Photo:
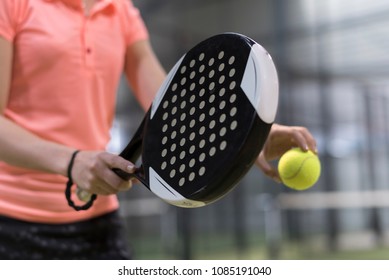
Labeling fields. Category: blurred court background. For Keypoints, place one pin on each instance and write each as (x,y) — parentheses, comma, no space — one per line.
(333,64)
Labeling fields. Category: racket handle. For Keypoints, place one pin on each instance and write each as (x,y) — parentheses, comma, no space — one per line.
(122,174)
(83,195)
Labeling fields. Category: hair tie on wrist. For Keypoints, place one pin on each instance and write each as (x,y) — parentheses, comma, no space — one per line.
(69,185)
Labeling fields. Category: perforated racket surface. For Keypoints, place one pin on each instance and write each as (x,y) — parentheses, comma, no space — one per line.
(208,121)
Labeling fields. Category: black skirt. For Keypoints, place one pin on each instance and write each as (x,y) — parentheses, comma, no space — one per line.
(100,238)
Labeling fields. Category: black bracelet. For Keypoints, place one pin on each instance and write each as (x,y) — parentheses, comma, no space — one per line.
(69,184)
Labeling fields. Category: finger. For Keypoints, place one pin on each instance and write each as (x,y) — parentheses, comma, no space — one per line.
(125,185)
(299,140)
(311,142)
(98,189)
(267,168)
(110,182)
(304,139)
(117,162)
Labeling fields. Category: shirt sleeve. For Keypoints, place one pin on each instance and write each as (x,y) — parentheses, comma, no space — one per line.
(134,26)
(12,14)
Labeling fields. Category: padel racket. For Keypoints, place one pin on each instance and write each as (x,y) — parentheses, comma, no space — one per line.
(207,123)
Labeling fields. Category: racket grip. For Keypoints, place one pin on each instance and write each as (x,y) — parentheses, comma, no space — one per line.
(122,174)
(83,195)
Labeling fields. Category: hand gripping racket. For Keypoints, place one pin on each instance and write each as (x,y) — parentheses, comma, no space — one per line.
(207,123)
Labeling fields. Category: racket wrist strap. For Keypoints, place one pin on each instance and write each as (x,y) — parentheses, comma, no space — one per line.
(69,184)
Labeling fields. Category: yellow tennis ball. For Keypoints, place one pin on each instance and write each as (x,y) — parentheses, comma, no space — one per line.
(299,170)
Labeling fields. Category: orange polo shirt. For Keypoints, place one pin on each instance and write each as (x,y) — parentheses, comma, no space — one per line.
(66,70)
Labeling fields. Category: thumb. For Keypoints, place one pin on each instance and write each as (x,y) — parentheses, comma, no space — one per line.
(267,168)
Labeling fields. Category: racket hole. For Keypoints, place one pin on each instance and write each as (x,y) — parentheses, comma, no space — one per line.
(182,129)
(211,74)
(202,130)
(202,104)
(192,75)
(231,60)
(222,92)
(174,135)
(164,140)
(212,111)
(183,92)
(173,147)
(165,104)
(202,144)
(192,123)
(222,105)
(182,155)
(212,151)
(232,72)
(192,136)
(233,111)
(232,85)
(221,67)
(174,87)
(192,111)
(183,104)
(222,79)
(183,69)
(202,157)
(182,168)
(174,98)
(183,81)
(211,86)
(182,142)
(192,98)
(173,160)
(165,116)
(163,165)
(222,118)
(223,131)
(220,55)
(212,137)
(183,117)
(164,153)
(174,122)
(192,63)
(223,145)
(192,87)
(201,57)
(202,171)
(172,173)
(234,125)
(233,98)
(192,176)
(164,128)
(202,80)
(201,68)
(212,123)
(174,110)
(192,149)
(202,117)
(202,92)
(192,162)
(212,98)
(181,182)
(211,61)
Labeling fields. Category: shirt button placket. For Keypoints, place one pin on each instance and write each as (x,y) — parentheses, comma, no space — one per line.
(88,47)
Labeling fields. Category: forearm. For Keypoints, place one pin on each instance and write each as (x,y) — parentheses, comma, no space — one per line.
(21,148)
(144,72)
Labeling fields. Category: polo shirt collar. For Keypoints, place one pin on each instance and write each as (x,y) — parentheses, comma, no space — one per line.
(78,3)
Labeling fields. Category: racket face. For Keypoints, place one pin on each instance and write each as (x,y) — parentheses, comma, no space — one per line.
(209,120)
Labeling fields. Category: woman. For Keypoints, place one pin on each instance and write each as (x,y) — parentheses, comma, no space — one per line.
(61,61)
